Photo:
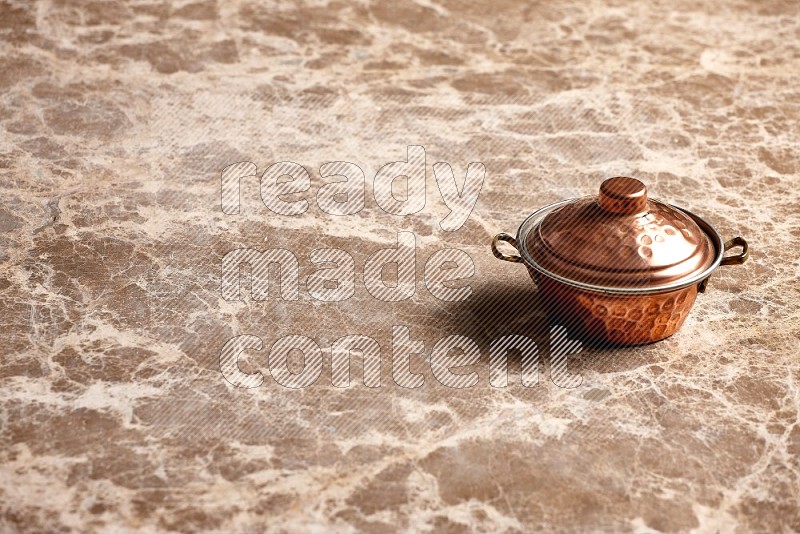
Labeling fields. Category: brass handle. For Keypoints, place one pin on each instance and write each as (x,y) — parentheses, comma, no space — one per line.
(502,236)
(740,258)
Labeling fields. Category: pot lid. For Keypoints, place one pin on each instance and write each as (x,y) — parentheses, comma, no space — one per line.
(619,239)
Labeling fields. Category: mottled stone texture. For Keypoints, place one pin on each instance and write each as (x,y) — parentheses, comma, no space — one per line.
(116,119)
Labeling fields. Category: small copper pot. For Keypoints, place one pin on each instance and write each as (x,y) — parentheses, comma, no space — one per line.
(619,268)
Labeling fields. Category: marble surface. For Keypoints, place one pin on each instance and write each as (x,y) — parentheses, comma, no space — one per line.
(116,120)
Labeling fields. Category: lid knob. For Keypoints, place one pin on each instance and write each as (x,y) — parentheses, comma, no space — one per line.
(623,195)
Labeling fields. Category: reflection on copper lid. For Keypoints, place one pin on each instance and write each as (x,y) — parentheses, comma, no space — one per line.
(619,238)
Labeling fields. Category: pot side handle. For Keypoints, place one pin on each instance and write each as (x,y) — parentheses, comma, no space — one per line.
(737,259)
(502,236)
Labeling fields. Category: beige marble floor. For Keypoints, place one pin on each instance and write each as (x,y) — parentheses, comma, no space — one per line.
(116,119)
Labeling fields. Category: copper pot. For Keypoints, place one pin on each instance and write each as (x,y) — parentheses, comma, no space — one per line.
(619,268)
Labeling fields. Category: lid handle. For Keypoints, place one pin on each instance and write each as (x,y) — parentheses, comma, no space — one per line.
(623,195)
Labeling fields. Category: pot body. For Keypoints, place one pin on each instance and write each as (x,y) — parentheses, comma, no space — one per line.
(603,319)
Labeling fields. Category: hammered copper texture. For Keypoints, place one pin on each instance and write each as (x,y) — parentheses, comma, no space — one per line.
(599,318)
(581,241)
